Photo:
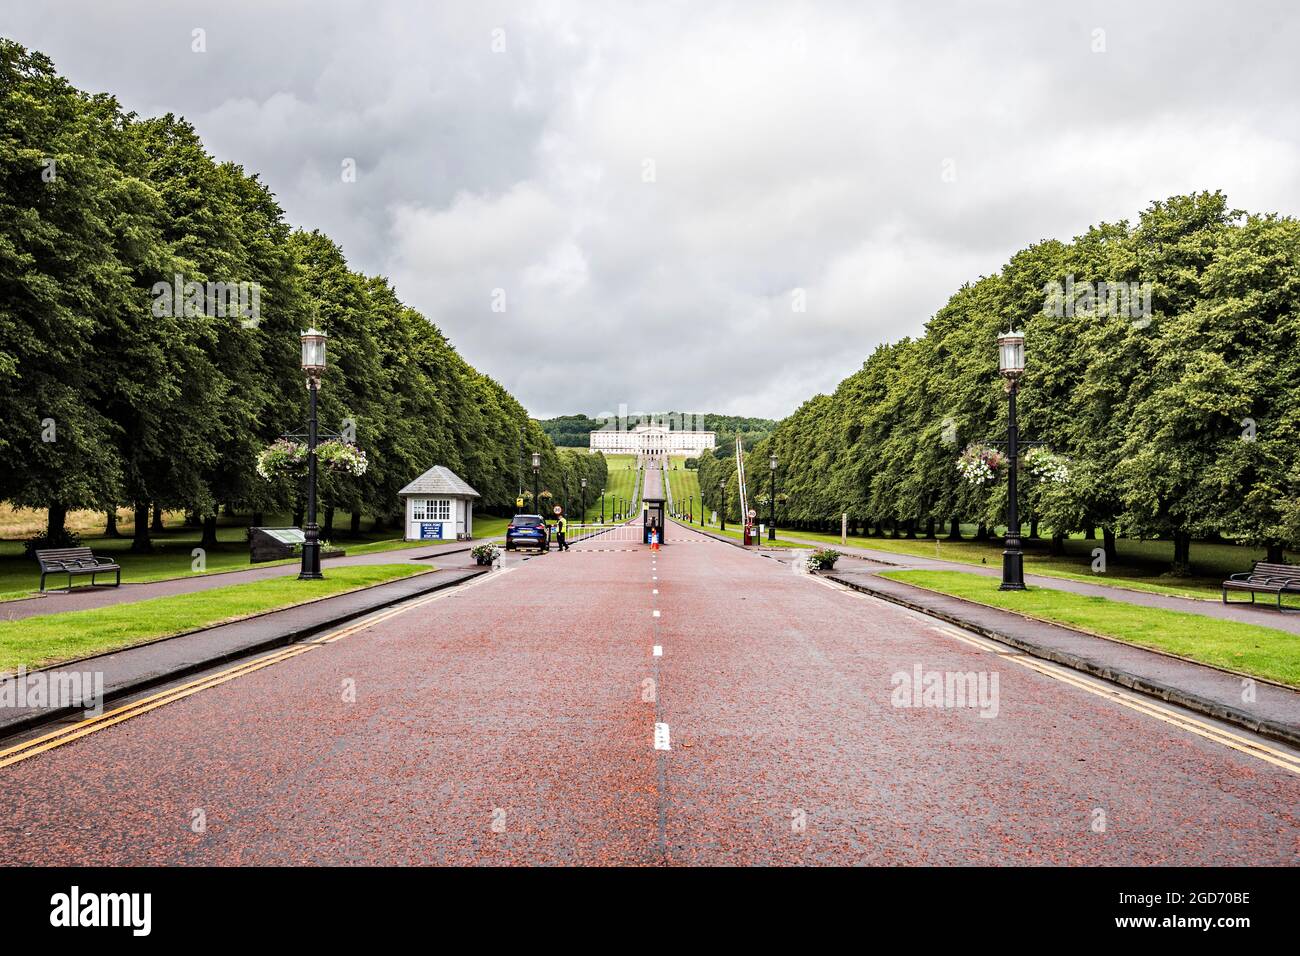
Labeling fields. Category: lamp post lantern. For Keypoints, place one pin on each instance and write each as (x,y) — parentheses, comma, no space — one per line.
(771,513)
(313,365)
(537,467)
(1011,363)
(722,515)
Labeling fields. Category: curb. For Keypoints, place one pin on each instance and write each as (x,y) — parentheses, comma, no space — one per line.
(21,724)
(1285,733)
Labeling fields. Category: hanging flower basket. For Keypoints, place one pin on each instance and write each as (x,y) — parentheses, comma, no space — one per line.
(288,459)
(980,464)
(1048,466)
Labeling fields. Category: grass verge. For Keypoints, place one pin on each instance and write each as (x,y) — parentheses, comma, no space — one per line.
(1248,648)
(47,639)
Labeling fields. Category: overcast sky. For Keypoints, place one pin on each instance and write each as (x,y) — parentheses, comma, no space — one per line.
(656,187)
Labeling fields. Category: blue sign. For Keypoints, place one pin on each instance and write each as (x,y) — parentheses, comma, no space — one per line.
(431,530)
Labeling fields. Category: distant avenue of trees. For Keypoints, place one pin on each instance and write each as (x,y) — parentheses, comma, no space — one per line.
(112,393)
(1178,411)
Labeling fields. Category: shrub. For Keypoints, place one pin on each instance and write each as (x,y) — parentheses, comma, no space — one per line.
(64,539)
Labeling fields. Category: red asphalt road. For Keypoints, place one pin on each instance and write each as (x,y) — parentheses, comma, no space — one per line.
(517,703)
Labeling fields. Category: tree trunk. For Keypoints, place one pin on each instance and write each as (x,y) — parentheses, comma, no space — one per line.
(1108,542)
(1274,555)
(298,517)
(911,528)
(380,524)
(110,523)
(1182,553)
(209,540)
(354,528)
(257,519)
(1058,543)
(157,525)
(1090,533)
(954,529)
(982,532)
(192,519)
(1033,528)
(929,528)
(327,531)
(54,522)
(140,543)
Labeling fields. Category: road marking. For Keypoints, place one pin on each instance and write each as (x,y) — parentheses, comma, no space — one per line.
(661,737)
(655,591)
(658,650)
(1133,701)
(66,735)
(1098,688)
(655,613)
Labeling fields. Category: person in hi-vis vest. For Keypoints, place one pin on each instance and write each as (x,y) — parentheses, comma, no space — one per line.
(561,526)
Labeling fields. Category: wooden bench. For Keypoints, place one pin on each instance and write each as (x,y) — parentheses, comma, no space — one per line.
(1276,579)
(74,561)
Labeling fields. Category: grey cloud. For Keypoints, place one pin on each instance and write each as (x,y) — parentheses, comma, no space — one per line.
(795,146)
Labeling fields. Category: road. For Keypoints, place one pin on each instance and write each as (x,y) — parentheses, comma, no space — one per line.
(514,721)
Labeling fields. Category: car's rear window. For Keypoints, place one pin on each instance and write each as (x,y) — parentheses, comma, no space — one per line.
(525,521)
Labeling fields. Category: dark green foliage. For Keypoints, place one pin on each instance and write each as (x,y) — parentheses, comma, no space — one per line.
(1183,426)
(110,395)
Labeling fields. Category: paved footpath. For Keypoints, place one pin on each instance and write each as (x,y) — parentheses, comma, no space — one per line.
(526,718)
(1262,612)
(84,597)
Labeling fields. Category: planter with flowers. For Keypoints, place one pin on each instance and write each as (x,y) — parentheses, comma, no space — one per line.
(485,553)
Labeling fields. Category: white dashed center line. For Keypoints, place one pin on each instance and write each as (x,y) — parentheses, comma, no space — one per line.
(658,650)
(661,737)
(656,613)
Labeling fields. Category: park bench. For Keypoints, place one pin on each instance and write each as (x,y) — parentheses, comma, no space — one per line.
(73,561)
(1276,579)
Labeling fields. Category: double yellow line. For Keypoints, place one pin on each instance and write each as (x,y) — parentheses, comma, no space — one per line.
(66,735)
(1139,703)
(1133,701)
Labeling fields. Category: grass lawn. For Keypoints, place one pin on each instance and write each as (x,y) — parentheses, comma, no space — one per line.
(685,484)
(1142,565)
(172,555)
(51,638)
(622,482)
(1248,648)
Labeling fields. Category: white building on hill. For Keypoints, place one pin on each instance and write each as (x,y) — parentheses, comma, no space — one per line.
(653,440)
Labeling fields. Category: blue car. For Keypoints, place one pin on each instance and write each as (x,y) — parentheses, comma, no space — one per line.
(527,531)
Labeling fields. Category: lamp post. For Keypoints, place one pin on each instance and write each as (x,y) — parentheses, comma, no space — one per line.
(602,505)
(582,516)
(690,509)
(537,467)
(771,513)
(313,365)
(722,515)
(1011,363)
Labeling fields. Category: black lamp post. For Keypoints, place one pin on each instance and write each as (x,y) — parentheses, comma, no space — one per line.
(537,467)
(1011,363)
(602,505)
(690,509)
(722,515)
(313,365)
(582,517)
(771,513)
